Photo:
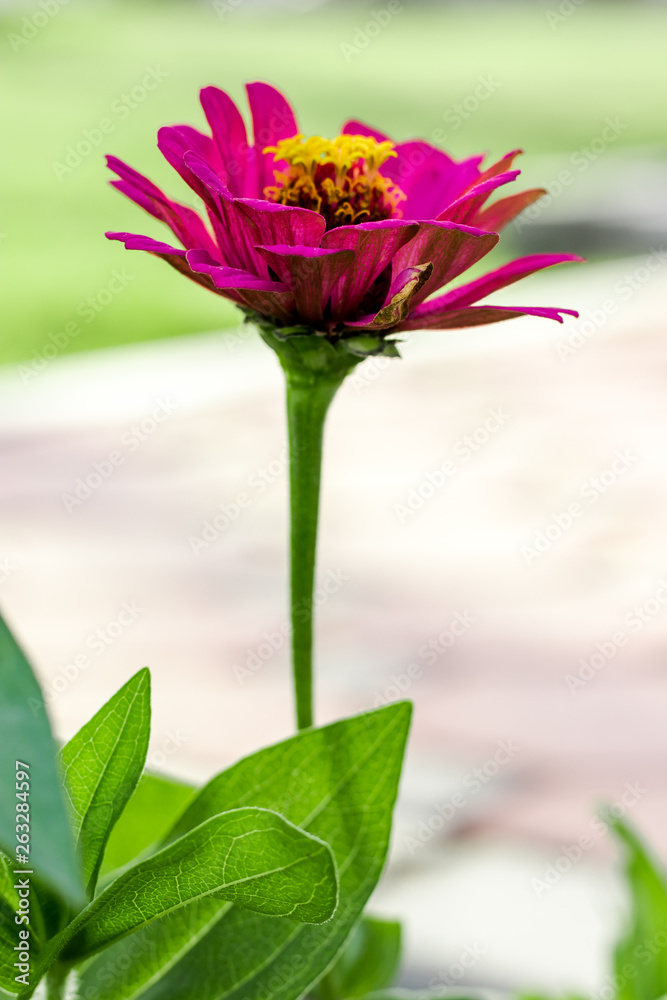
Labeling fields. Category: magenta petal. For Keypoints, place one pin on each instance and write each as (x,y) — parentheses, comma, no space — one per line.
(133,241)
(175,142)
(428,177)
(229,135)
(234,235)
(445,318)
(186,225)
(501,212)
(230,277)
(138,197)
(501,166)
(451,248)
(270,224)
(473,291)
(173,255)
(354,127)
(311,273)
(272,120)
(465,208)
(271,298)
(374,245)
(132,176)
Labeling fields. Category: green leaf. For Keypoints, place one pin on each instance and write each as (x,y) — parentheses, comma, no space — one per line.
(370,961)
(338,782)
(9,936)
(101,767)
(26,737)
(252,857)
(150,813)
(640,959)
(8,892)
(443,994)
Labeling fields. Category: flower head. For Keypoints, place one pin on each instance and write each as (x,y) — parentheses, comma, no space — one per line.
(349,238)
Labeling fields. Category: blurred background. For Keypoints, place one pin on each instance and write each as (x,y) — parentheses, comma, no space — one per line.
(520,602)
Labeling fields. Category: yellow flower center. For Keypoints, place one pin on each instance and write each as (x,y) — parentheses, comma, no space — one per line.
(339,178)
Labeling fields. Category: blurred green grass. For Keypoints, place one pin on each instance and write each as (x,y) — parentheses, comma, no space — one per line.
(552,89)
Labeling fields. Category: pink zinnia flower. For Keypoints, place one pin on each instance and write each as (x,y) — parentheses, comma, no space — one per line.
(349,236)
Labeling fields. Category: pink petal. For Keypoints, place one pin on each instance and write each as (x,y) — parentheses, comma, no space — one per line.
(233,234)
(465,208)
(451,248)
(229,135)
(311,273)
(186,225)
(175,142)
(500,167)
(445,318)
(428,177)
(173,255)
(374,245)
(501,212)
(272,120)
(471,292)
(133,241)
(271,298)
(270,224)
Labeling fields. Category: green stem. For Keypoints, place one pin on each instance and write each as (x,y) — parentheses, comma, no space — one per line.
(308,399)
(56,980)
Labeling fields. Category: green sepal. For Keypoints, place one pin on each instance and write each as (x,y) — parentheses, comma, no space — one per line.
(363,346)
